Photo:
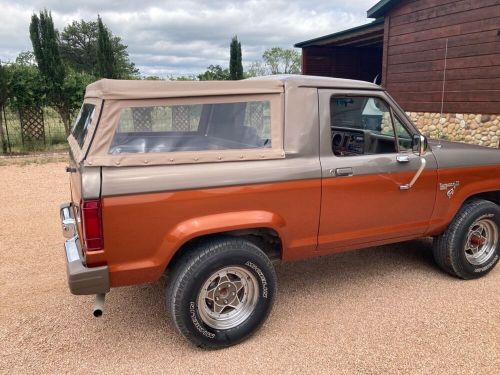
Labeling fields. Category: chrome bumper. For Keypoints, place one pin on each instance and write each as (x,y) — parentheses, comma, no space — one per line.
(81,279)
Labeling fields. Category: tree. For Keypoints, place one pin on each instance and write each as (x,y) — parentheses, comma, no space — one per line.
(61,88)
(105,57)
(235,60)
(215,73)
(277,60)
(78,47)
(26,58)
(45,47)
(26,86)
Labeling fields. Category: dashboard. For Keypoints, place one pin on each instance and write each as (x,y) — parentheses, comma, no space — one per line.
(348,142)
(351,142)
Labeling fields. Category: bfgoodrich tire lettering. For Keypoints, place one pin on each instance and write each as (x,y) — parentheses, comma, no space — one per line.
(208,264)
(477,220)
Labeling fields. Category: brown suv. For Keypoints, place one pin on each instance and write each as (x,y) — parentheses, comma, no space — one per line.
(212,181)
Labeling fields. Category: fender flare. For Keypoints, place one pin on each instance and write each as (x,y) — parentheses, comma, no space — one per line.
(218,223)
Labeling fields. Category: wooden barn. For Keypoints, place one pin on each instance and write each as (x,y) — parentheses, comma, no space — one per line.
(404,49)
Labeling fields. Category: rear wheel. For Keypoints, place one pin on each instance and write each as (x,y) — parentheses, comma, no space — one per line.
(470,247)
(221,292)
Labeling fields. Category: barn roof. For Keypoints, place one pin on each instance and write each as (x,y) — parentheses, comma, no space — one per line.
(381,8)
(339,38)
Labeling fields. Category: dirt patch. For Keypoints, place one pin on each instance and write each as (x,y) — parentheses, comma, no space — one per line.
(386,310)
(42,158)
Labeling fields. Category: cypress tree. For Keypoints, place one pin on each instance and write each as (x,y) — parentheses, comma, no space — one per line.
(45,47)
(106,66)
(235,60)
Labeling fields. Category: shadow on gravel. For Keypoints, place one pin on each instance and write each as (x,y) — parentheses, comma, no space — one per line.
(145,304)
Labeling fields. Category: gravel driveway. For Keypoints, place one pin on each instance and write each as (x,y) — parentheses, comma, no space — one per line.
(385,310)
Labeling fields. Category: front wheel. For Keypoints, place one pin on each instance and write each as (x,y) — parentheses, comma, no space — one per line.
(221,292)
(470,247)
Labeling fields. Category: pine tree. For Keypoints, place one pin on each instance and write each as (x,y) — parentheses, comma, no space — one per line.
(106,66)
(235,60)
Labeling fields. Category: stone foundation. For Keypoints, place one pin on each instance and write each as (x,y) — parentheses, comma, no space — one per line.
(478,129)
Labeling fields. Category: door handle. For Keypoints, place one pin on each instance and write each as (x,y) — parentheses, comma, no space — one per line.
(403,158)
(71,169)
(342,171)
(415,178)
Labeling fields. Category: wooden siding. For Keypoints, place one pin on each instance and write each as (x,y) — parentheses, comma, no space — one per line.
(343,62)
(414,49)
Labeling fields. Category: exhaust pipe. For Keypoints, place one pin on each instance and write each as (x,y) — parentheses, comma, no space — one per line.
(99,304)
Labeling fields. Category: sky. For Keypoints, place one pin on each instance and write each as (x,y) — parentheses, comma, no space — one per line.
(184,37)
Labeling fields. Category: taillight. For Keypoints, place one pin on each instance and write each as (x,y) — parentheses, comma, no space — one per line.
(92,224)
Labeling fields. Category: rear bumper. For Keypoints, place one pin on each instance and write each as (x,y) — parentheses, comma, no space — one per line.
(81,279)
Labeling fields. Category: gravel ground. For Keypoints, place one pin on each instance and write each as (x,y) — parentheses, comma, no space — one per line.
(385,310)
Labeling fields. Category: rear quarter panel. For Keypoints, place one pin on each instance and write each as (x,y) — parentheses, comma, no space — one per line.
(143,232)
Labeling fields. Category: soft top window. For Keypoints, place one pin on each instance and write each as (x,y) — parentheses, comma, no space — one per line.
(193,127)
(82,122)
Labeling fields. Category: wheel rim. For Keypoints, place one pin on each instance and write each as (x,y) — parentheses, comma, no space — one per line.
(482,240)
(228,297)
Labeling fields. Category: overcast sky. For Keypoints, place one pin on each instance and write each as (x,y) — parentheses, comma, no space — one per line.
(185,36)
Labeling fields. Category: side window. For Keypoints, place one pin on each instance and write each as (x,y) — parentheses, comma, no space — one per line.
(193,127)
(361,125)
(82,122)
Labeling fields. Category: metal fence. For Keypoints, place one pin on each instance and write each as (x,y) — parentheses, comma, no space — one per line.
(32,129)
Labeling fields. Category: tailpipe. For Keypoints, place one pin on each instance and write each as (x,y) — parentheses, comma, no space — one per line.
(99,304)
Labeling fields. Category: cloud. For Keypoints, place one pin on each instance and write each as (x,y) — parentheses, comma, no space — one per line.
(174,37)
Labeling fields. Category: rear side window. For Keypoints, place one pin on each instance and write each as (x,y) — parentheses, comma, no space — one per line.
(82,122)
(193,127)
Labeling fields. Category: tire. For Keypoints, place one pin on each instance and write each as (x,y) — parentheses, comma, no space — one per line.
(237,274)
(470,246)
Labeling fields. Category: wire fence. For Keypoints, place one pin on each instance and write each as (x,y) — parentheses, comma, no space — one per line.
(40,130)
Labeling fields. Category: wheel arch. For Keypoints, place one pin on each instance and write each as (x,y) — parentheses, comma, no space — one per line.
(492,196)
(265,229)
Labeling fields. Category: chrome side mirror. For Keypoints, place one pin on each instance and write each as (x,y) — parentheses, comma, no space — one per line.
(419,144)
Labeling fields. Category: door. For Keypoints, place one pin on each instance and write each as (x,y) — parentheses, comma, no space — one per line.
(366,159)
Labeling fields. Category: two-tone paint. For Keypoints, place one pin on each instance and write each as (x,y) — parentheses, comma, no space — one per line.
(150,212)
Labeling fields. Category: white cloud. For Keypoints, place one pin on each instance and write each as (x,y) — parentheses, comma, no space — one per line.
(184,37)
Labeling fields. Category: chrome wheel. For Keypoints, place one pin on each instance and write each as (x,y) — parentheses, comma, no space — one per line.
(228,297)
(482,240)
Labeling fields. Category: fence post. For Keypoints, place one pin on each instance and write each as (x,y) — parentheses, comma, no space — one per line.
(2,135)
(6,129)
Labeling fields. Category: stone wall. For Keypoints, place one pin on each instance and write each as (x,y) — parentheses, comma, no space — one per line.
(479,129)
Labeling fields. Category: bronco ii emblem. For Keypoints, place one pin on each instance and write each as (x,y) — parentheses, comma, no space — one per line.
(450,186)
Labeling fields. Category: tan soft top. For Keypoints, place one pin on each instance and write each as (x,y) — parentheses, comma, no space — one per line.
(137,89)
(110,97)
(144,89)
